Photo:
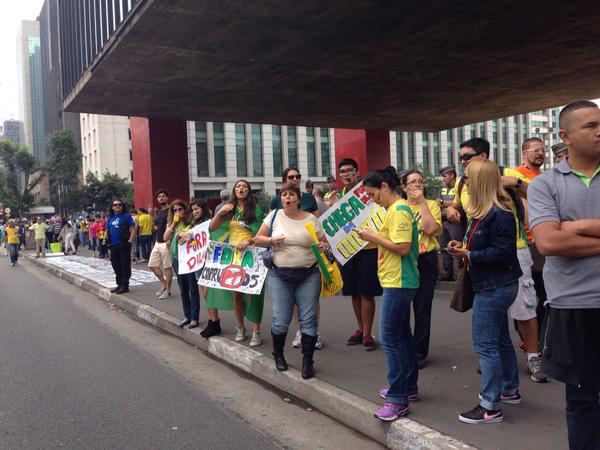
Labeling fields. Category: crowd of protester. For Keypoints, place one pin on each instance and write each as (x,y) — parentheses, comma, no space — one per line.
(528,239)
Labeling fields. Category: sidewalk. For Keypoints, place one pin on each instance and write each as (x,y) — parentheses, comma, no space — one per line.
(448,385)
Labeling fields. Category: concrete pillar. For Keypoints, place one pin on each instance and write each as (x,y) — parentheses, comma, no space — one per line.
(160,158)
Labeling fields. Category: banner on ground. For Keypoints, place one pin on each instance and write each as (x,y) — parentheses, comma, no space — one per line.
(353,210)
(233,270)
(191,254)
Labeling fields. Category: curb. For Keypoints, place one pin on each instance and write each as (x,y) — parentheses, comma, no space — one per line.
(353,411)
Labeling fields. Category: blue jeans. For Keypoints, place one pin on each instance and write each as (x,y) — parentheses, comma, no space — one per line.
(398,344)
(146,246)
(491,340)
(13,250)
(94,244)
(423,301)
(190,296)
(285,295)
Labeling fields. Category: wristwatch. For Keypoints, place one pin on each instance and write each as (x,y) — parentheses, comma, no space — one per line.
(519,182)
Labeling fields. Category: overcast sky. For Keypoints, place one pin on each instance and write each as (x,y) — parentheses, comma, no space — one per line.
(10,19)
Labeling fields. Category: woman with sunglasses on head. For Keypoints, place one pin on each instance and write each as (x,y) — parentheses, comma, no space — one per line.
(120,234)
(428,215)
(236,223)
(398,249)
(179,221)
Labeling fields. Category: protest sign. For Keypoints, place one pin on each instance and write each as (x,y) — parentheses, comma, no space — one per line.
(191,254)
(353,210)
(233,270)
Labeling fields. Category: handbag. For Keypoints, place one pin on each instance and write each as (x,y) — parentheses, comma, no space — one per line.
(463,297)
(267,255)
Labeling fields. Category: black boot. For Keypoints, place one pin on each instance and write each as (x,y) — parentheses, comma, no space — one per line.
(212,329)
(278,344)
(308,349)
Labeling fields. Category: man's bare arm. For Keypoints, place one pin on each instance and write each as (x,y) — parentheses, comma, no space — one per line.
(551,240)
(582,227)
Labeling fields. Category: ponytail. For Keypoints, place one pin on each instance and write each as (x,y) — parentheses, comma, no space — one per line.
(387,175)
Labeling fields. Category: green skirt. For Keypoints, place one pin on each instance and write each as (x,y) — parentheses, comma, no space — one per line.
(223,299)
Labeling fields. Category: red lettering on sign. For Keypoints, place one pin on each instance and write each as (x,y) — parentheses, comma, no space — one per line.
(232,277)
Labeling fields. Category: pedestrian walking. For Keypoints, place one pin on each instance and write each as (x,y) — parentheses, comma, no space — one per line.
(295,279)
(94,229)
(490,251)
(67,235)
(145,225)
(13,241)
(120,235)
(39,228)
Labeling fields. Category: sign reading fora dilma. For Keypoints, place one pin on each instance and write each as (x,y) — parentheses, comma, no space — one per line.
(233,270)
(191,253)
(353,210)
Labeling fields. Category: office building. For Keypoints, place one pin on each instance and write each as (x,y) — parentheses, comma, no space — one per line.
(13,131)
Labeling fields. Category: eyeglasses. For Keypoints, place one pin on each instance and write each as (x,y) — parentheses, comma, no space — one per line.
(419,181)
(346,171)
(117,204)
(468,156)
(294,177)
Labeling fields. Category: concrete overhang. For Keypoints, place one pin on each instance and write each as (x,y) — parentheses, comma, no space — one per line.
(404,65)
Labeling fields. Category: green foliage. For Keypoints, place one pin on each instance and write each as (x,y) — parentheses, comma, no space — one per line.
(64,163)
(264,200)
(433,185)
(99,193)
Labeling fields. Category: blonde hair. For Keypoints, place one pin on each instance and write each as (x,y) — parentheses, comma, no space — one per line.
(485,188)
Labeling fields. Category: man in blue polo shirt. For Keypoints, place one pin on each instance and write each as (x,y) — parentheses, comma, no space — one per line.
(564,216)
(120,236)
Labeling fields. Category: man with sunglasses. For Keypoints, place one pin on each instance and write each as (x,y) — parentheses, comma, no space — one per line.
(308,202)
(121,234)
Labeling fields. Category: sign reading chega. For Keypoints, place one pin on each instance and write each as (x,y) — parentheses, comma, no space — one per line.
(191,254)
(233,270)
(353,210)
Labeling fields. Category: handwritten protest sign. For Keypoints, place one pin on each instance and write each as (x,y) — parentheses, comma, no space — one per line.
(234,270)
(192,253)
(353,210)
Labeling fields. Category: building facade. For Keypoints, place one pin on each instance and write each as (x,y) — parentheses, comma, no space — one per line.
(31,96)
(13,131)
(220,153)
(106,145)
(431,151)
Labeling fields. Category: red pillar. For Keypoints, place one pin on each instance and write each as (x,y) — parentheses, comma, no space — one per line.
(160,159)
(369,148)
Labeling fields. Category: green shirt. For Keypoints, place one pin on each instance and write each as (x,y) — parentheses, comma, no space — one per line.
(307,203)
(587,180)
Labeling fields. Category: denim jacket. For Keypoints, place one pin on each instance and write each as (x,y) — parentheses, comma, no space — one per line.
(493,250)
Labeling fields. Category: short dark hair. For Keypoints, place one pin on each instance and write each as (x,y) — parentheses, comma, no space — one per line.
(478,144)
(404,180)
(573,106)
(289,187)
(527,142)
(161,191)
(387,175)
(286,171)
(348,162)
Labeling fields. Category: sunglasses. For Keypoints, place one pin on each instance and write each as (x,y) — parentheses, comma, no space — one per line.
(294,177)
(468,156)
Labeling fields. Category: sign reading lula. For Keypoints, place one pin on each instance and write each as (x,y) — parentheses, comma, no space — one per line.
(353,210)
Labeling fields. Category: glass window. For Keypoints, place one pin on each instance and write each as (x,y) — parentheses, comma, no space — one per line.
(399,150)
(450,148)
(277,151)
(219,147)
(460,135)
(240,150)
(325,152)
(310,149)
(437,156)
(412,150)
(201,150)
(257,150)
(482,130)
(425,141)
(292,147)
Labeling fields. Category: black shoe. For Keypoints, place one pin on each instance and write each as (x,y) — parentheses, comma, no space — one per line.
(308,350)
(184,323)
(421,362)
(212,329)
(278,344)
(122,290)
(481,415)
(112,291)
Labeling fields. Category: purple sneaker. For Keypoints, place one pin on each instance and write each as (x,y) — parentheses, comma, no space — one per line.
(391,411)
(411,397)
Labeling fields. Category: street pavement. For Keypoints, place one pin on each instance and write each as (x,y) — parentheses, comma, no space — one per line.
(68,381)
(448,385)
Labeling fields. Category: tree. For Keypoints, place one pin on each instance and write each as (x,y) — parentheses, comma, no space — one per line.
(21,173)
(64,164)
(99,193)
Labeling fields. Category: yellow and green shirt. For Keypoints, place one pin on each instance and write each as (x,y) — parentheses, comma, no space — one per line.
(12,235)
(427,243)
(393,270)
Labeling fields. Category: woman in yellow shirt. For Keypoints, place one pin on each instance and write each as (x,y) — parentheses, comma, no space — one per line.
(13,241)
(398,249)
(428,215)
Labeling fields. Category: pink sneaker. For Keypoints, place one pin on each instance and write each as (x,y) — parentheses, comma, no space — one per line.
(411,397)
(391,411)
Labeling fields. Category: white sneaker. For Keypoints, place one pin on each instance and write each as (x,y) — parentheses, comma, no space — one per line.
(159,292)
(255,341)
(164,295)
(240,334)
(297,342)
(319,343)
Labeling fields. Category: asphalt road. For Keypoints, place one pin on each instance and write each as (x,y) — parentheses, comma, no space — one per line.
(69,381)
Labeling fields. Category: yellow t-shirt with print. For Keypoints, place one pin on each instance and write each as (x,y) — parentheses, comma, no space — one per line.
(145,224)
(12,235)
(427,243)
(393,270)
(462,200)
(237,230)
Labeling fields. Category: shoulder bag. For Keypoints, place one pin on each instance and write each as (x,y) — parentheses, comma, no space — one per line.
(462,300)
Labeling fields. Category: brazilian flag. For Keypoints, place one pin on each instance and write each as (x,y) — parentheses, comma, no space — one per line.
(223,299)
